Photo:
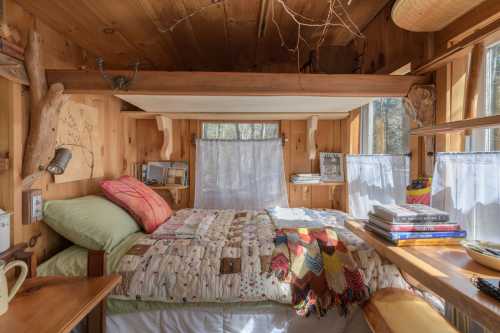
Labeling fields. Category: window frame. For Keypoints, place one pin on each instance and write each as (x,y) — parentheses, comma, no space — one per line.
(366,132)
(481,139)
(277,122)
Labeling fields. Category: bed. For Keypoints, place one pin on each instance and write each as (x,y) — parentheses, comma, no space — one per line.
(168,284)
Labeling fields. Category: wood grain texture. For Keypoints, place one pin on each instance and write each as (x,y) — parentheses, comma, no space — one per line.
(458,126)
(458,50)
(380,309)
(243,84)
(330,133)
(223,36)
(446,270)
(34,307)
(480,16)
(386,47)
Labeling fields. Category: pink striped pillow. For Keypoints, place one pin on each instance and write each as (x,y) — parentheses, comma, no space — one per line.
(145,205)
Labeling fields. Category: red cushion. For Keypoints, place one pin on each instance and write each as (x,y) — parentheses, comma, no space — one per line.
(146,206)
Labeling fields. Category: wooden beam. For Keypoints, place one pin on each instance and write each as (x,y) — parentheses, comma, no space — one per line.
(459,50)
(473,81)
(480,16)
(456,126)
(235,116)
(238,84)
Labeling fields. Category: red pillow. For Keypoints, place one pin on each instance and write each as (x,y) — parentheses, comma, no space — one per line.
(146,206)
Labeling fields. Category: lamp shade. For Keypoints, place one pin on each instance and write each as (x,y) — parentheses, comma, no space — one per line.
(60,161)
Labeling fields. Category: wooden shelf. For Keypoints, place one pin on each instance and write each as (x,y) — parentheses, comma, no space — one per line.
(446,270)
(320,184)
(169,187)
(457,126)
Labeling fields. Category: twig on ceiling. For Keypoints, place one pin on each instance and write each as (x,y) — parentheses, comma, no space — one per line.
(194,13)
(337,16)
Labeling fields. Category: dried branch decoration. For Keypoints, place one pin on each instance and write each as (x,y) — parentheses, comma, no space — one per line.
(337,16)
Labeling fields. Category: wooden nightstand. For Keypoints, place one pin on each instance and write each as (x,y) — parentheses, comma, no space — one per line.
(57,304)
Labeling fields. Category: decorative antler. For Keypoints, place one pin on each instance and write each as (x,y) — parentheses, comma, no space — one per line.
(118,82)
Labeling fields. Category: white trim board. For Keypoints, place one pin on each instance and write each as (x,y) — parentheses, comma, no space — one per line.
(179,104)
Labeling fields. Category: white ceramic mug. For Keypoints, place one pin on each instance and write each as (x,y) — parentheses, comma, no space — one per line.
(5,295)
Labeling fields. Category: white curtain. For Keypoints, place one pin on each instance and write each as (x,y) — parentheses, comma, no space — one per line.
(467,185)
(246,174)
(374,180)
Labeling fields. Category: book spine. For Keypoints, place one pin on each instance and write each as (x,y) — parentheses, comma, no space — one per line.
(418,235)
(413,228)
(427,242)
(417,219)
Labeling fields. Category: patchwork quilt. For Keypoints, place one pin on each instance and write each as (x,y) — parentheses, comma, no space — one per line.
(226,256)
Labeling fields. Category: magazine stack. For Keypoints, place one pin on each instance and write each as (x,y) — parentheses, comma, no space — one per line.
(414,224)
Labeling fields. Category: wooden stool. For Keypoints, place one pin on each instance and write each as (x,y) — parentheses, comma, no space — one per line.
(394,310)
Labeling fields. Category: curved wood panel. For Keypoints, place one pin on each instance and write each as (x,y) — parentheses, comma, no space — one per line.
(429,15)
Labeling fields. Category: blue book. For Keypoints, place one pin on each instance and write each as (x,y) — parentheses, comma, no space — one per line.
(398,235)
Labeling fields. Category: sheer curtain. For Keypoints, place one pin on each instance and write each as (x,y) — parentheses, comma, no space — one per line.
(240,174)
(376,179)
(467,185)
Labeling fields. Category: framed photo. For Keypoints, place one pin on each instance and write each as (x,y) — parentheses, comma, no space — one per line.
(167,173)
(331,167)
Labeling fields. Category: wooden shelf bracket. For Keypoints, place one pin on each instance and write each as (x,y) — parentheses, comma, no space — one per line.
(165,126)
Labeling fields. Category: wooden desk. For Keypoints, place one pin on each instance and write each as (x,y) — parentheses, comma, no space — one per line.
(446,270)
(55,304)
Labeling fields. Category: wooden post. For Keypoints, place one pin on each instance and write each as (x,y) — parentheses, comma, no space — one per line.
(312,127)
(473,78)
(96,267)
(45,107)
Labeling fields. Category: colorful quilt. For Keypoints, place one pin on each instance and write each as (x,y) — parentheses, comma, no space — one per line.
(240,256)
(226,259)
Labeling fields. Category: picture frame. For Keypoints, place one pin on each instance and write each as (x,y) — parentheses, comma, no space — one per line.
(331,167)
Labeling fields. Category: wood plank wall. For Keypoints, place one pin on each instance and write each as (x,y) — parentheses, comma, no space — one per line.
(58,52)
(14,117)
(386,47)
(332,135)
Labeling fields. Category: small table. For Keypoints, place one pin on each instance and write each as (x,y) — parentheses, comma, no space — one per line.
(57,304)
(446,270)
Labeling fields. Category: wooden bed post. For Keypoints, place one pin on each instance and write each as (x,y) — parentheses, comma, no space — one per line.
(96,267)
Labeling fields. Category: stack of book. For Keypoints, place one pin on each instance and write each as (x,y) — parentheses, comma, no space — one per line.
(306,178)
(414,224)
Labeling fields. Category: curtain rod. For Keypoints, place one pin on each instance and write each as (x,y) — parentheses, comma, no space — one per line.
(194,137)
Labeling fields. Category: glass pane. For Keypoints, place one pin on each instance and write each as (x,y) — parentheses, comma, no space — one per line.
(388,125)
(270,131)
(240,131)
(210,131)
(228,131)
(257,131)
(246,131)
(493,92)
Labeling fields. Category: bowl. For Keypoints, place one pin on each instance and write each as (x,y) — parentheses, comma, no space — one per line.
(475,249)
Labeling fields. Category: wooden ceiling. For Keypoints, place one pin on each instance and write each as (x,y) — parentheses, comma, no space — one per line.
(222,37)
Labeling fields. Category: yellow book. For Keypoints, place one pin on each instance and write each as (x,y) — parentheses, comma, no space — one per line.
(428,242)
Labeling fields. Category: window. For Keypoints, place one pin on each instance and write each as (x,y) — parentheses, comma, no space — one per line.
(240,131)
(489,139)
(384,127)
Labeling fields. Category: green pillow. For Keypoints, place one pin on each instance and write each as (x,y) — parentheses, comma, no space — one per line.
(92,222)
